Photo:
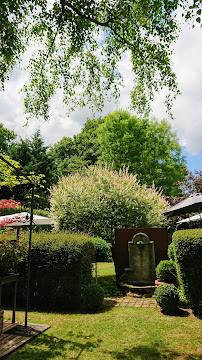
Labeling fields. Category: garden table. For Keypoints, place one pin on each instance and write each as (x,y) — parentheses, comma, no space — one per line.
(13,278)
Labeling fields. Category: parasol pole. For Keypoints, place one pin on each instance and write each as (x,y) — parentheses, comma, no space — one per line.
(200,219)
(30,231)
(29,256)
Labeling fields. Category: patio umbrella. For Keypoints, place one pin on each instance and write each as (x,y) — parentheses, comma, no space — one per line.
(192,204)
(197,217)
(23,219)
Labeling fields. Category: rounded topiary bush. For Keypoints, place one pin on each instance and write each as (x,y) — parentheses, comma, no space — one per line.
(167,298)
(166,271)
(93,297)
(171,254)
(102,250)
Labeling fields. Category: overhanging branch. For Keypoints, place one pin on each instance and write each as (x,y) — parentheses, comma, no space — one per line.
(106,23)
(16,169)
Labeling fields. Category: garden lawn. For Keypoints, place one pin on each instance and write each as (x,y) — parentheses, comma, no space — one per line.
(105,270)
(115,333)
(106,279)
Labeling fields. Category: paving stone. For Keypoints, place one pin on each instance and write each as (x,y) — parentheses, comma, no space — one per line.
(132,302)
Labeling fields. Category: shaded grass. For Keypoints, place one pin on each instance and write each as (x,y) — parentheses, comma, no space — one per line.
(119,333)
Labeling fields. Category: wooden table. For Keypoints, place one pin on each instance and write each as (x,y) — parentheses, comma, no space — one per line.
(13,278)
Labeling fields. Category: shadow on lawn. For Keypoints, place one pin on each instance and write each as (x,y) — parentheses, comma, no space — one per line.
(51,347)
(108,278)
(155,352)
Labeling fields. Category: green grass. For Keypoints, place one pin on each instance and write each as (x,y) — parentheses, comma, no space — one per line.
(125,333)
(105,270)
(115,333)
(106,279)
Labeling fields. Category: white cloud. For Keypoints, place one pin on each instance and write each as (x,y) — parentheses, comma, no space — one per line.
(187,108)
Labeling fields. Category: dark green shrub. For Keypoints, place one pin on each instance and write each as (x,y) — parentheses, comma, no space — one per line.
(102,250)
(171,254)
(110,289)
(93,297)
(188,255)
(167,298)
(61,266)
(166,271)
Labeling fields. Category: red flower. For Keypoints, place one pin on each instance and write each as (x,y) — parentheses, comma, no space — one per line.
(14,218)
(4,204)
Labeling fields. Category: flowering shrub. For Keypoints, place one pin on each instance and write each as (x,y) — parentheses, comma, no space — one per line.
(99,199)
(11,252)
(4,204)
(8,206)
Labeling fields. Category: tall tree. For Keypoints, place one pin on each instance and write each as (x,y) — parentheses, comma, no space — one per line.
(73,155)
(192,183)
(150,149)
(6,137)
(86,141)
(81,43)
(33,157)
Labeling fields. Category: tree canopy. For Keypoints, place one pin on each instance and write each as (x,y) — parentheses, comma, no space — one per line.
(150,148)
(6,137)
(80,43)
(72,155)
(33,157)
(8,176)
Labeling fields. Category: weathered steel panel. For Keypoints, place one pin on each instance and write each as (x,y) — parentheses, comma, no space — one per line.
(123,236)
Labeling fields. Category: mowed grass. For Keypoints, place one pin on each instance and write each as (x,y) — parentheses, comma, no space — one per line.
(125,333)
(115,333)
(105,270)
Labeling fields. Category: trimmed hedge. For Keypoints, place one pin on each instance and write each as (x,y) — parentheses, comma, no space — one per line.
(166,271)
(188,257)
(93,297)
(171,253)
(61,266)
(102,250)
(167,298)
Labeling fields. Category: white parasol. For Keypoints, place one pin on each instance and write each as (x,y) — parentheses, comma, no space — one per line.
(23,219)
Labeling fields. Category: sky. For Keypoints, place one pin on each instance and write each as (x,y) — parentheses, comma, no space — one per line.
(187,109)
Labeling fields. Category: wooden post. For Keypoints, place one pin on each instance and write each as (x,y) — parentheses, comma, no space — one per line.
(96,279)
